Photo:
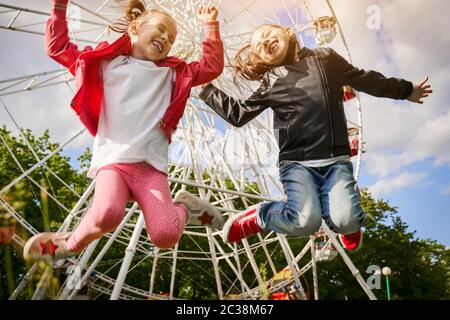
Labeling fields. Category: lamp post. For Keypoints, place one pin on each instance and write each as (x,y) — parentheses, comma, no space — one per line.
(387,272)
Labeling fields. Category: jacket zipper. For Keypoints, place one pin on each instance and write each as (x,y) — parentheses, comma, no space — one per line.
(324,86)
(292,102)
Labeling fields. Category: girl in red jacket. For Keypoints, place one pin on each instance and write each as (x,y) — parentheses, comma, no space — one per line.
(131,96)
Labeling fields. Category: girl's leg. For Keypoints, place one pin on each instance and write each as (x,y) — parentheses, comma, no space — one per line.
(164,221)
(300,215)
(107,211)
(340,199)
(110,198)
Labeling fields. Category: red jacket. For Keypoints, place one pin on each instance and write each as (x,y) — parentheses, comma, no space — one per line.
(85,66)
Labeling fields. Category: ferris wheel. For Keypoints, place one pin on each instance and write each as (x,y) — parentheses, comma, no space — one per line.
(231,168)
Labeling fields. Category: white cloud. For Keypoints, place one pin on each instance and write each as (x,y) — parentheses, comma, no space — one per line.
(404,180)
(47,108)
(407,144)
(411,44)
(383,165)
(434,138)
(445,191)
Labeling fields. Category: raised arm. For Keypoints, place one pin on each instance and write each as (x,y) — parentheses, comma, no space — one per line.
(211,63)
(236,112)
(372,82)
(57,41)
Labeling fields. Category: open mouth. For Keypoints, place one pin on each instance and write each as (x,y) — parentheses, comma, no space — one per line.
(158,46)
(273,47)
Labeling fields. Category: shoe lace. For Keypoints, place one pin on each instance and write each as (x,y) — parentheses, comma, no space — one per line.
(249,226)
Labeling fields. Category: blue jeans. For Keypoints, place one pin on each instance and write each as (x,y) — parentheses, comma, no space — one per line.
(314,194)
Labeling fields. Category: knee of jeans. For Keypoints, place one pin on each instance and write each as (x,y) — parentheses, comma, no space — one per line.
(350,222)
(308,224)
(107,216)
(165,239)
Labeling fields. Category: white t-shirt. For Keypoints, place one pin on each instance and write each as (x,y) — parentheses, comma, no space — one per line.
(324,162)
(137,94)
(321,163)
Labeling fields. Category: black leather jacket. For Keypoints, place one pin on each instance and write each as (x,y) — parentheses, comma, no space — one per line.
(306,99)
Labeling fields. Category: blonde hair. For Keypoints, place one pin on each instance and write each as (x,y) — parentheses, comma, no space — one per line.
(250,66)
(134,10)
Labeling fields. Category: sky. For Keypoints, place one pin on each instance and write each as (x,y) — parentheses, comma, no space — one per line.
(408,145)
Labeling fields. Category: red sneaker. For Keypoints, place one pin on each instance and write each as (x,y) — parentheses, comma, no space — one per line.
(352,242)
(241,226)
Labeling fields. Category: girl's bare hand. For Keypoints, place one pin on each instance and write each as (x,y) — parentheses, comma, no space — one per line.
(207,13)
(421,91)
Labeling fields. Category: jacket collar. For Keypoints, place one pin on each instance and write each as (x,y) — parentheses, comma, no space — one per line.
(123,46)
(304,53)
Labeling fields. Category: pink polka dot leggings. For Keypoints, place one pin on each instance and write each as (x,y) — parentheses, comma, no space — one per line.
(116,185)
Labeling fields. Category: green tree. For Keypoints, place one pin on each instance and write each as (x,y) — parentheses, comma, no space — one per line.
(420,267)
(27,190)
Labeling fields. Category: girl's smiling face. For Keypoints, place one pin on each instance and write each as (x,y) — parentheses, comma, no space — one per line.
(271,44)
(156,32)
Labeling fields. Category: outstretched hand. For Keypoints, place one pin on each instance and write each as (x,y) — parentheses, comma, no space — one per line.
(207,13)
(420,91)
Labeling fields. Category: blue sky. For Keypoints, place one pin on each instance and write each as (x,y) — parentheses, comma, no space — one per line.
(421,206)
(408,146)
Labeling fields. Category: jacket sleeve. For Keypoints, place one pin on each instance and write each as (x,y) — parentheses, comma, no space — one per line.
(372,82)
(211,63)
(236,112)
(57,41)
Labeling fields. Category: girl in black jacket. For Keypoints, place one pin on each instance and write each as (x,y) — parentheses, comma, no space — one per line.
(304,89)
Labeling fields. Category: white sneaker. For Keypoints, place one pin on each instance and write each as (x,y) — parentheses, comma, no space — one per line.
(47,246)
(201,213)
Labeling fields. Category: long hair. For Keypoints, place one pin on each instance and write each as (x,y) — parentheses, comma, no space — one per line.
(250,66)
(133,10)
